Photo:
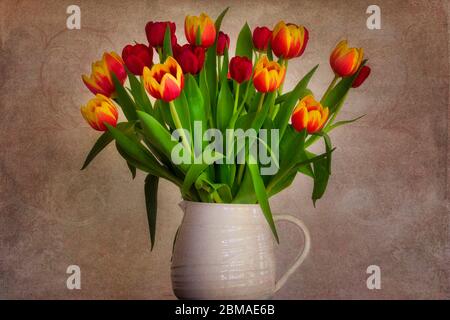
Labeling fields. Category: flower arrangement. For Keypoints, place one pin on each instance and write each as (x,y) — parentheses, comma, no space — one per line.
(197,86)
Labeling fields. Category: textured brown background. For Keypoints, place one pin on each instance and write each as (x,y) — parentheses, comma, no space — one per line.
(386,203)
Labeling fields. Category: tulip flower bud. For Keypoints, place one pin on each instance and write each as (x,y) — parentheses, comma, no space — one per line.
(345,61)
(361,77)
(240,69)
(98,111)
(223,41)
(189,57)
(261,38)
(289,40)
(136,57)
(100,80)
(268,75)
(204,26)
(156,31)
(309,114)
(164,80)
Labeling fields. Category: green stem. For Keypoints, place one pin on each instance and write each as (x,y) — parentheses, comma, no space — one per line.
(331,86)
(159,50)
(236,98)
(285,64)
(240,173)
(177,122)
(339,107)
(330,122)
(219,67)
(216,197)
(261,100)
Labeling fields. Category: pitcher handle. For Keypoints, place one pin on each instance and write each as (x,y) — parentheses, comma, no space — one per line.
(302,255)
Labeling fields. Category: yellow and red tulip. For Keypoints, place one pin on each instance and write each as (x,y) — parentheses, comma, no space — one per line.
(289,40)
(164,80)
(268,75)
(345,61)
(100,80)
(98,111)
(310,115)
(202,25)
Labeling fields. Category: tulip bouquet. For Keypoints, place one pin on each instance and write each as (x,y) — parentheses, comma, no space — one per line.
(198,86)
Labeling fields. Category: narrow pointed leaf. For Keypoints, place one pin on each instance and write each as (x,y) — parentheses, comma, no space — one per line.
(151,203)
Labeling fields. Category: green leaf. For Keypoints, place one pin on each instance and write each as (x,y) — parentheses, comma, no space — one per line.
(269,51)
(244,44)
(137,155)
(167,44)
(246,193)
(164,110)
(219,19)
(132,170)
(341,123)
(196,107)
(224,106)
(151,203)
(99,145)
(335,96)
(103,141)
(321,175)
(195,171)
(159,136)
(203,84)
(307,168)
(282,184)
(283,97)
(182,107)
(211,63)
(224,71)
(282,119)
(261,195)
(124,100)
(291,153)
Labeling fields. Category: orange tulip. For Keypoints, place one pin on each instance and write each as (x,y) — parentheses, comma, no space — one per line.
(345,61)
(100,80)
(289,40)
(202,24)
(164,81)
(98,111)
(268,75)
(309,114)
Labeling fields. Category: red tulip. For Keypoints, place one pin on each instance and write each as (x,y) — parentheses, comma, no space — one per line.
(261,38)
(136,57)
(361,77)
(156,30)
(240,69)
(223,41)
(190,58)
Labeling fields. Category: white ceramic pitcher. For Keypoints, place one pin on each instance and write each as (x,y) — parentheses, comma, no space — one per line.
(226,251)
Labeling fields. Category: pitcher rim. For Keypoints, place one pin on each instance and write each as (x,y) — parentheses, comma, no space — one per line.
(198,203)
